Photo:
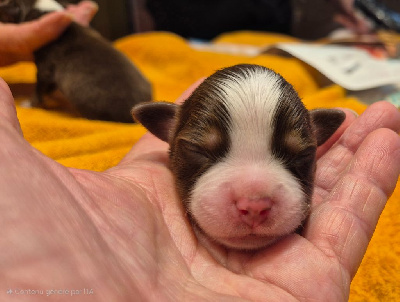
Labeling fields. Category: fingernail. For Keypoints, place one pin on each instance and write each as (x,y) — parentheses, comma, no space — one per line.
(92,6)
(67,17)
(352,111)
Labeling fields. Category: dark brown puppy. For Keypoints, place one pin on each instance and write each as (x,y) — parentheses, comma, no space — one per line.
(98,81)
(243,153)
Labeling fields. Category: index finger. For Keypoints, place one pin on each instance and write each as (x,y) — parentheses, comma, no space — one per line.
(334,163)
(83,12)
(343,223)
(353,182)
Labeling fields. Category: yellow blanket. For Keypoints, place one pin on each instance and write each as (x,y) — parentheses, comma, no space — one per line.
(172,65)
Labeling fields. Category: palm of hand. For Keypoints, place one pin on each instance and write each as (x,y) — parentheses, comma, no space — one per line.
(123,233)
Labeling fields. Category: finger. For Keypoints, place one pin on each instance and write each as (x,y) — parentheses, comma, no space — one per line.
(83,12)
(344,6)
(343,225)
(32,35)
(7,108)
(150,147)
(348,17)
(10,57)
(353,22)
(334,163)
(18,41)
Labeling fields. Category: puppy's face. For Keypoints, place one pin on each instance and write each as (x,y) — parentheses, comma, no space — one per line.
(243,154)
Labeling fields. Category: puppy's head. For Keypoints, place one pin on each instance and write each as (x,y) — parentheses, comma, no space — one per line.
(242,150)
(17,11)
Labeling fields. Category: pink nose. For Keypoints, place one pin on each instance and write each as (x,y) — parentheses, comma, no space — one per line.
(255,211)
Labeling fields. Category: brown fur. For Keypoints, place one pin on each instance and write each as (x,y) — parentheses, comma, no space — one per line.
(98,81)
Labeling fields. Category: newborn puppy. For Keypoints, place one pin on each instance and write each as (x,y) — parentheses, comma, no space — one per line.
(243,153)
(98,81)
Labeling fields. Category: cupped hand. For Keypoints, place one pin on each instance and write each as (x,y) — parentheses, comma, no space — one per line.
(19,41)
(123,234)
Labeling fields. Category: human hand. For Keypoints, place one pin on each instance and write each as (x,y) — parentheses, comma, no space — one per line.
(19,41)
(348,17)
(123,232)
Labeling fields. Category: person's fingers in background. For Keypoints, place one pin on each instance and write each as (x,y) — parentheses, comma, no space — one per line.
(348,17)
(83,12)
(19,41)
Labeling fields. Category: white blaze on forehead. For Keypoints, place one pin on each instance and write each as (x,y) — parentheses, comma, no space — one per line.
(251,103)
(48,5)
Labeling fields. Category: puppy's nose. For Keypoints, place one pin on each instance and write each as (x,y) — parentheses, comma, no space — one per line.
(254,211)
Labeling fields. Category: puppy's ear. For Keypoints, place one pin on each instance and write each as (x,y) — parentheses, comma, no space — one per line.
(157,117)
(326,122)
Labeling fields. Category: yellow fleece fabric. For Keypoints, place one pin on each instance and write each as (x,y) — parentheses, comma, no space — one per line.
(172,65)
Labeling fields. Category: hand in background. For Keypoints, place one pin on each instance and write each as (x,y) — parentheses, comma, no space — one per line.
(124,234)
(348,17)
(19,41)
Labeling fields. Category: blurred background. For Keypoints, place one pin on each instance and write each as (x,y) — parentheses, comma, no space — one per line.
(310,19)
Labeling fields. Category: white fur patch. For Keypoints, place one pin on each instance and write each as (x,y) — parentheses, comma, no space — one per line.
(249,170)
(48,5)
(251,103)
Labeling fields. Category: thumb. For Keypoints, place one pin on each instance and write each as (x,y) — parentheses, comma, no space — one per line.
(51,25)
(37,33)
(8,114)
(19,41)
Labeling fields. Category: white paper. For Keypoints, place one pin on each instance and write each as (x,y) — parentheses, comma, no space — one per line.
(351,68)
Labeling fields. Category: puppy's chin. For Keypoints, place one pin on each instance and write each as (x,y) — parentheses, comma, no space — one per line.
(247,243)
